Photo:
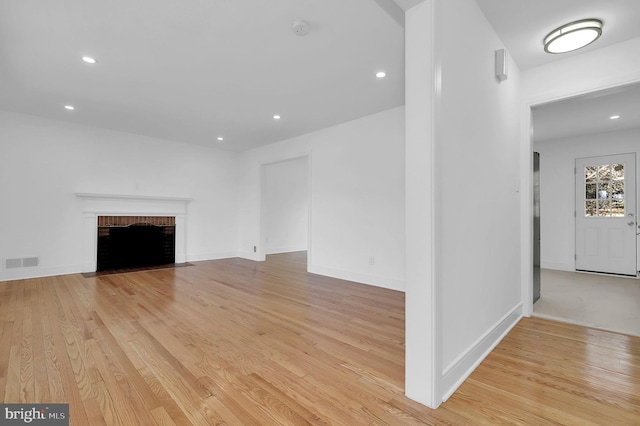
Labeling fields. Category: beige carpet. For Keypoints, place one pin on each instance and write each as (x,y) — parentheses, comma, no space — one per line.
(600,301)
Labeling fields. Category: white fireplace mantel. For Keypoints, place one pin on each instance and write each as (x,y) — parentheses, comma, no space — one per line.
(97,204)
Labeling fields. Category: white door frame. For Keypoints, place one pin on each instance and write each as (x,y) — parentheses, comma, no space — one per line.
(526,171)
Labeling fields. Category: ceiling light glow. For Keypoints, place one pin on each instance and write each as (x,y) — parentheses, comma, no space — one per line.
(614,117)
(220,138)
(381,74)
(69,107)
(89,60)
(276,117)
(573,36)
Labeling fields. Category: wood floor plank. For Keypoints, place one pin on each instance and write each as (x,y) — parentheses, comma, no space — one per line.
(239,342)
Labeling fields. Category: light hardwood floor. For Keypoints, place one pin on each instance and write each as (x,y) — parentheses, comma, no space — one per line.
(245,343)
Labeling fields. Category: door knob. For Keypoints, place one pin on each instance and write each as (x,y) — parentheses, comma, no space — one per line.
(631,223)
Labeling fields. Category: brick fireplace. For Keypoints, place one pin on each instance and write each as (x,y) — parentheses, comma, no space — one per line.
(109,213)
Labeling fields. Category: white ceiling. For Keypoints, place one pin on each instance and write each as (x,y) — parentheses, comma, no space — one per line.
(193,71)
(588,114)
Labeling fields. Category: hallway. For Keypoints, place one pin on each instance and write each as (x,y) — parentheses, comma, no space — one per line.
(599,301)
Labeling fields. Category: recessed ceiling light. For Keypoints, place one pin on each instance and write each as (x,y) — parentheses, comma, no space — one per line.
(89,59)
(573,36)
(69,107)
(614,117)
(381,74)
(276,117)
(220,138)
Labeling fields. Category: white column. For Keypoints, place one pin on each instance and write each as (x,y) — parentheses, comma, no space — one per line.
(422,368)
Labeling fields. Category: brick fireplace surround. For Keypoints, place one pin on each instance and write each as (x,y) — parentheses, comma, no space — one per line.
(112,206)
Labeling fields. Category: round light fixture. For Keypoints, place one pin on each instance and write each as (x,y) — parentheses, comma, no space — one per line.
(69,107)
(573,36)
(220,138)
(614,117)
(276,117)
(89,60)
(381,74)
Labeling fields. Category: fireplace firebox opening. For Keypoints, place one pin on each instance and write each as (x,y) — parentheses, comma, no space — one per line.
(127,242)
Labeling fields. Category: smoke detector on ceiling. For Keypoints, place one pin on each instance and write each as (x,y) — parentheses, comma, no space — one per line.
(300,28)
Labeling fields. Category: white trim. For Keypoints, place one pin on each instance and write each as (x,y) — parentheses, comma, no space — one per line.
(249,256)
(38,272)
(116,197)
(201,257)
(460,369)
(290,249)
(377,281)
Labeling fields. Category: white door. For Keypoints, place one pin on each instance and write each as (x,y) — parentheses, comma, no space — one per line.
(606,222)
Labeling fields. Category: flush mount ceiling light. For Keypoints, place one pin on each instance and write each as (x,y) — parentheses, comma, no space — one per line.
(69,107)
(381,74)
(573,36)
(220,138)
(614,117)
(89,60)
(276,117)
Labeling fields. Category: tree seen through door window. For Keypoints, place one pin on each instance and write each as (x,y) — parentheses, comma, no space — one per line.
(604,190)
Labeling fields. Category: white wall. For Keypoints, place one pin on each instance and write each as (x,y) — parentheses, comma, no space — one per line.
(356,198)
(43,163)
(286,215)
(462,178)
(478,178)
(557,188)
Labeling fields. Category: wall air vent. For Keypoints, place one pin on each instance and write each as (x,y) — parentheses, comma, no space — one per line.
(12,263)
(30,262)
(26,262)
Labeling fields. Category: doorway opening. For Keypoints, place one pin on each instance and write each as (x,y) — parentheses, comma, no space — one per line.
(285,206)
(586,198)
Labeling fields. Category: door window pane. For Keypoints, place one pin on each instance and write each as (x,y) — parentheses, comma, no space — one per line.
(604,208)
(617,208)
(604,190)
(617,190)
(604,172)
(618,172)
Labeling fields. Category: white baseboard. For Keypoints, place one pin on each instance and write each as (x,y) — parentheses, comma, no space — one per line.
(38,272)
(248,255)
(278,250)
(198,257)
(390,283)
(458,371)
